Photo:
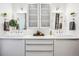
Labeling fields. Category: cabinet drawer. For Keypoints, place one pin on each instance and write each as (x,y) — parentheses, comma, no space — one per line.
(39,47)
(39,41)
(39,53)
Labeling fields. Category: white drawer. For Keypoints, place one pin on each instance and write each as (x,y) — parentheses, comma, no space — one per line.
(39,41)
(39,53)
(39,47)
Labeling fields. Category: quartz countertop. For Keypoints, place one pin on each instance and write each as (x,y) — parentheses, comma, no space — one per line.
(7,35)
(39,37)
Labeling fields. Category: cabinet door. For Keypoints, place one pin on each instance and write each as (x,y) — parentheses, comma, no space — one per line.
(11,47)
(0,48)
(45,15)
(33,15)
(66,47)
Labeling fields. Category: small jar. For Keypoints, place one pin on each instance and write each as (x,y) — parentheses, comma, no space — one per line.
(50,32)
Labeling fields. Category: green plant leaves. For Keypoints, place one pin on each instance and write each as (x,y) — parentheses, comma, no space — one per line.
(13,23)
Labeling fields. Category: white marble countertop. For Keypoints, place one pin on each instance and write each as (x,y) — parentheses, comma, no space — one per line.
(39,37)
(25,36)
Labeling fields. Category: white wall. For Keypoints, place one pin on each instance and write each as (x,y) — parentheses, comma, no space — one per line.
(73,7)
(5,8)
(64,9)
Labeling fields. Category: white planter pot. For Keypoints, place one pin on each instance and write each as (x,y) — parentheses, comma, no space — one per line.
(12,28)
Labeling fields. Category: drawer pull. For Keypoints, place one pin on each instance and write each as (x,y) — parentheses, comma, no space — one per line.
(39,50)
(39,44)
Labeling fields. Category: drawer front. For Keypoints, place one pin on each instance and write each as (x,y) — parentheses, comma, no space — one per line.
(39,47)
(39,41)
(39,53)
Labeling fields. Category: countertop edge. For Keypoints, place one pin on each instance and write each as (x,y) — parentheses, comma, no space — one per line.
(26,38)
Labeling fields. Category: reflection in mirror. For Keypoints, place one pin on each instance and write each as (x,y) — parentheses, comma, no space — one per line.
(22,21)
(57,20)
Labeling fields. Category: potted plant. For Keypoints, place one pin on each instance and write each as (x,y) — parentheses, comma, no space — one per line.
(13,23)
(4,15)
(6,23)
(73,14)
(72,25)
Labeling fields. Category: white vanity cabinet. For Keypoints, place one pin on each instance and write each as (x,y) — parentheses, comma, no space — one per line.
(0,48)
(9,47)
(39,47)
(66,47)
